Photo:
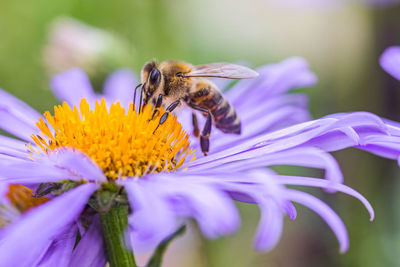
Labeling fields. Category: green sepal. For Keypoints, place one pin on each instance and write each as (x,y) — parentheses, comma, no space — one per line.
(106,197)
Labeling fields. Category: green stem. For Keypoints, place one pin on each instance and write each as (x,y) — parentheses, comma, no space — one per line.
(114,222)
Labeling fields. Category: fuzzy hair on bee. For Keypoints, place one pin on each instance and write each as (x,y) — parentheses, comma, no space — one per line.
(174,83)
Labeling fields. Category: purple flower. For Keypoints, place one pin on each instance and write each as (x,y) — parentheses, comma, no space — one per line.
(164,193)
(73,43)
(390,61)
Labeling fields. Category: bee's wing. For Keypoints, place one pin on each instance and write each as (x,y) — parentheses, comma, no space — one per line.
(222,70)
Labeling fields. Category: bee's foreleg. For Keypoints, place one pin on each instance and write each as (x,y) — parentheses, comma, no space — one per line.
(158,105)
(141,98)
(205,134)
(196,130)
(134,96)
(164,117)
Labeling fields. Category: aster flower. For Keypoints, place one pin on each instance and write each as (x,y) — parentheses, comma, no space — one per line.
(390,61)
(96,156)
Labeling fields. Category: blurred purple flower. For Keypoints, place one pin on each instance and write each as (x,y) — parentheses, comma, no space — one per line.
(390,61)
(276,131)
(72,43)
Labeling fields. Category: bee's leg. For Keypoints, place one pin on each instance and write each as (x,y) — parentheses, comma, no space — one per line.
(164,117)
(134,96)
(205,134)
(158,105)
(196,130)
(141,99)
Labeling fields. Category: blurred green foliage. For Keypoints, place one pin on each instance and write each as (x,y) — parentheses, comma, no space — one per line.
(342,46)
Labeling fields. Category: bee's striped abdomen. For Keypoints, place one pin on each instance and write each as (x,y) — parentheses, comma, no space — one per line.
(224,116)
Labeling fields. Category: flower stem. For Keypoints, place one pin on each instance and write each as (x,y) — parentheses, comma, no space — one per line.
(114,222)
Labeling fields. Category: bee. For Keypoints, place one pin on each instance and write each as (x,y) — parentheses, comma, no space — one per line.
(173,83)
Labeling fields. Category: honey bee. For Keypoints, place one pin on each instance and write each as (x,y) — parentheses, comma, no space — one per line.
(172,84)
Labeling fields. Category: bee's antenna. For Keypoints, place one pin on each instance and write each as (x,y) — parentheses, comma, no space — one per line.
(134,96)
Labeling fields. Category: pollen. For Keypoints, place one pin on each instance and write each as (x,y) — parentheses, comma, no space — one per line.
(123,143)
(22,198)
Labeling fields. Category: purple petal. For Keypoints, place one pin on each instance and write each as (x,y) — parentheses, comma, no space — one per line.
(90,251)
(270,226)
(12,143)
(3,193)
(31,172)
(308,181)
(120,86)
(393,126)
(18,107)
(60,251)
(71,86)
(290,210)
(383,149)
(23,242)
(326,213)
(54,167)
(159,201)
(390,61)
(10,152)
(313,133)
(16,117)
(8,212)
(264,188)
(273,79)
(262,119)
(213,210)
(296,134)
(306,157)
(381,139)
(152,219)
(78,163)
(259,187)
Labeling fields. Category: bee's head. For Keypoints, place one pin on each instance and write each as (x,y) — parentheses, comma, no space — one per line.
(175,70)
(151,79)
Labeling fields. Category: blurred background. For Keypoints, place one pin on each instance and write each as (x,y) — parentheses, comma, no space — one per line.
(341,39)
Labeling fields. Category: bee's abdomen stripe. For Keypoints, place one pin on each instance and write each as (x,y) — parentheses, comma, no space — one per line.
(223,114)
(213,101)
(225,118)
(234,128)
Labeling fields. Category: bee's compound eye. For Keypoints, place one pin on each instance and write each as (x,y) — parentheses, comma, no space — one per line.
(155,76)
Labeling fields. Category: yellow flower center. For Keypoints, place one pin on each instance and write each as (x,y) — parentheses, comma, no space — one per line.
(122,143)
